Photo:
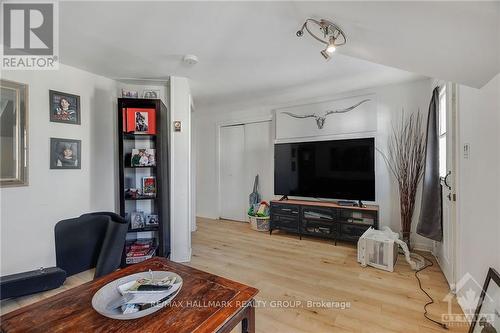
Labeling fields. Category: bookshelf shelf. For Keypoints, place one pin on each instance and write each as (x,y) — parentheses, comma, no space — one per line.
(140,167)
(134,136)
(148,228)
(141,198)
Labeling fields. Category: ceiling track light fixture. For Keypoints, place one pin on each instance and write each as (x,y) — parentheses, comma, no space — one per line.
(332,35)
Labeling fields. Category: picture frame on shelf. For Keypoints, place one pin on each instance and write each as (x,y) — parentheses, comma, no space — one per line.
(151,94)
(152,220)
(143,157)
(127,93)
(137,220)
(487,315)
(64,108)
(139,121)
(149,186)
(65,153)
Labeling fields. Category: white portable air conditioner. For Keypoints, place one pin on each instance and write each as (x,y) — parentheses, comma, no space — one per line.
(379,248)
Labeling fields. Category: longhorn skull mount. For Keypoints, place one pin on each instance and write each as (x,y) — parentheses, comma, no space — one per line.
(320,119)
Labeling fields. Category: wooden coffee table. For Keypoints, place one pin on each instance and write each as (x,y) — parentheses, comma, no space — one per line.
(206,303)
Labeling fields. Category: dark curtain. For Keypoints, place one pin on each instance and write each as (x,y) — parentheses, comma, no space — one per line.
(430,223)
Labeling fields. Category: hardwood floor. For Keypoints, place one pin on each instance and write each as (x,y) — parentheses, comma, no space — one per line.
(285,268)
(294,272)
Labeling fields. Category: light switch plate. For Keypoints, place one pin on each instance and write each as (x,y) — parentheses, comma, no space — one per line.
(466,151)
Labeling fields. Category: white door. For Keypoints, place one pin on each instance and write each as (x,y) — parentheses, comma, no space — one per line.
(259,158)
(445,251)
(233,191)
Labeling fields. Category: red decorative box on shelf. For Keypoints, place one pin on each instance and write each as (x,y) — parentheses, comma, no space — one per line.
(139,121)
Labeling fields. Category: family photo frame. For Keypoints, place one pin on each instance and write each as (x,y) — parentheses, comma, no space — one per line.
(65,153)
(64,108)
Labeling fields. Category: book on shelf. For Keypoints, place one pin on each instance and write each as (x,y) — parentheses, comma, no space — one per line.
(140,250)
(140,247)
(138,253)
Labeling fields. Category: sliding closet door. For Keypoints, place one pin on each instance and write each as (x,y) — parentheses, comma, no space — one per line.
(233,190)
(259,157)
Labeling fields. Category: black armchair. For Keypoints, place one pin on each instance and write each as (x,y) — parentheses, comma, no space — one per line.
(91,240)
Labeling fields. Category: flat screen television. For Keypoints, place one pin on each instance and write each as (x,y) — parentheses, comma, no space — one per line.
(338,169)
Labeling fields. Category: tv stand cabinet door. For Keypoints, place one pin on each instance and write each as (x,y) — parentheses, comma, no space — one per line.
(285,217)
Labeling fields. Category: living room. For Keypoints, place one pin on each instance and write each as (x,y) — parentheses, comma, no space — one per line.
(241,162)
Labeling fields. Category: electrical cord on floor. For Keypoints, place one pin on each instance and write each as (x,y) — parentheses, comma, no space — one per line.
(431,300)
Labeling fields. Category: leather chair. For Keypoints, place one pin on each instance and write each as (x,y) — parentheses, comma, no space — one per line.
(91,240)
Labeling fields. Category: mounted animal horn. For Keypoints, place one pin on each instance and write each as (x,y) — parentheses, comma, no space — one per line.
(320,119)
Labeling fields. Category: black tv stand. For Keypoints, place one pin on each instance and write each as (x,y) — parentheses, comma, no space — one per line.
(285,197)
(360,204)
(322,219)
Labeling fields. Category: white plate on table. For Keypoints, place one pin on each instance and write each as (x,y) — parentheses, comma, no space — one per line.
(109,293)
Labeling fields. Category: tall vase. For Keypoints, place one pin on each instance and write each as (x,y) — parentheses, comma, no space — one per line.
(407,203)
(405,236)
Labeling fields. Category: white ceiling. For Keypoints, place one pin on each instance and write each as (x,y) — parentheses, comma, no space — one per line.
(249,51)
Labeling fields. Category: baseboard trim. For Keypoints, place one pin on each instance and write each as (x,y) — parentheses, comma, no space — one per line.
(185,257)
(422,247)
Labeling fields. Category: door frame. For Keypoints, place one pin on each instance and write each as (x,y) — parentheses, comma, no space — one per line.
(452,106)
(226,123)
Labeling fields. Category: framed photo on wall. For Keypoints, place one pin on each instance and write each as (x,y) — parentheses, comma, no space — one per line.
(65,153)
(487,316)
(64,108)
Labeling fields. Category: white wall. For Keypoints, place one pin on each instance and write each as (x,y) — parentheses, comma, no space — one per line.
(390,101)
(180,171)
(478,194)
(29,213)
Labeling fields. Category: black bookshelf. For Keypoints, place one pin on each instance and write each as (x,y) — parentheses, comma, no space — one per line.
(130,176)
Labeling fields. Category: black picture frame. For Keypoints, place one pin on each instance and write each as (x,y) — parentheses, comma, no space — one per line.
(494,277)
(55,109)
(58,148)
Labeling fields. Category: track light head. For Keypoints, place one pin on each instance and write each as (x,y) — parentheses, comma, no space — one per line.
(326,54)
(331,45)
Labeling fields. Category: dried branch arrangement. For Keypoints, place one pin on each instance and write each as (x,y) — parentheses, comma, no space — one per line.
(406,159)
